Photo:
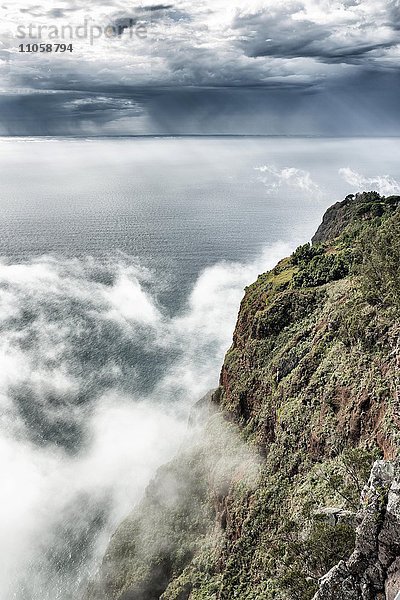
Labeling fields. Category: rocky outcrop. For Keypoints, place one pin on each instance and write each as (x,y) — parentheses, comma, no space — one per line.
(353,207)
(373,570)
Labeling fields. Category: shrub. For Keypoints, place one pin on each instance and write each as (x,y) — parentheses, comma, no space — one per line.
(324,268)
(305,253)
(380,263)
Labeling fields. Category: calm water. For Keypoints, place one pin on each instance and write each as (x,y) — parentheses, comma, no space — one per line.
(123,265)
(177,205)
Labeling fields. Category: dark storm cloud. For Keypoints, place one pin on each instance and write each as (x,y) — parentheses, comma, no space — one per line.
(230,110)
(276,111)
(120,24)
(55,13)
(166,11)
(146,15)
(156,7)
(63,113)
(278,34)
(213,68)
(394,14)
(91,84)
(33,11)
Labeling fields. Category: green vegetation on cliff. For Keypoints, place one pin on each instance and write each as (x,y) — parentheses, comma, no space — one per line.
(310,381)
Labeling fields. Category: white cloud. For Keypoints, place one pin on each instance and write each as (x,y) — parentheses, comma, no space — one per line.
(204,330)
(211,43)
(75,324)
(384,184)
(129,301)
(274,179)
(41,486)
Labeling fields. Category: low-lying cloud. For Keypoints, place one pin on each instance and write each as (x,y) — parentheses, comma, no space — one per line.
(275,179)
(384,184)
(95,395)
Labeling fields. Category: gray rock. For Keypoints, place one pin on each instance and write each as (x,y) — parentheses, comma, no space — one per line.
(373,570)
(392,585)
(335,516)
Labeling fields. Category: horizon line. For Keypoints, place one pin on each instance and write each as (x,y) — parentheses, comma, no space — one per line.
(196,135)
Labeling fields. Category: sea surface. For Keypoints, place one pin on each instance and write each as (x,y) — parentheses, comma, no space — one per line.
(122,266)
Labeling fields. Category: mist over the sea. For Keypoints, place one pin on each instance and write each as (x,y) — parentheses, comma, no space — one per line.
(123,264)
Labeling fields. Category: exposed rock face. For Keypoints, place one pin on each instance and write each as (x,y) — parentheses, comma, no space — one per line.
(341,214)
(311,384)
(373,570)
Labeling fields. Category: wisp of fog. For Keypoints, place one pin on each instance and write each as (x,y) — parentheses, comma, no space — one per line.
(96,384)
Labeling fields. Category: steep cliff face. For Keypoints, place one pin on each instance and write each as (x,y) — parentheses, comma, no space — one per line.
(266,501)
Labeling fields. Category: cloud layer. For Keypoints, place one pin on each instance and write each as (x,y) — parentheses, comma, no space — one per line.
(206,67)
(384,184)
(95,390)
(276,179)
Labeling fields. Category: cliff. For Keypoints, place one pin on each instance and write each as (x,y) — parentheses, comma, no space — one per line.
(264,502)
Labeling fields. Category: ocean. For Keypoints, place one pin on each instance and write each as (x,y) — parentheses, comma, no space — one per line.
(122,266)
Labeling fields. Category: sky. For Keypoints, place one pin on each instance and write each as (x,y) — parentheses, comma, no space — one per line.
(270,67)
